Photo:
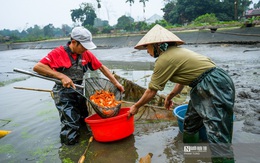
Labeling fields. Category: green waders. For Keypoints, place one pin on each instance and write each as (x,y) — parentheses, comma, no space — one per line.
(71,106)
(211,105)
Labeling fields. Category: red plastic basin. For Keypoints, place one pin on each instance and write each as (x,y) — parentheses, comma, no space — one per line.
(111,129)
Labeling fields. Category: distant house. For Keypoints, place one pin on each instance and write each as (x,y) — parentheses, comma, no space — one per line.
(251,13)
(153,18)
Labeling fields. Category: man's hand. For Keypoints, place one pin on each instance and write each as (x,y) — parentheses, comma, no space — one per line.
(120,87)
(168,100)
(67,82)
(133,110)
(168,104)
(45,70)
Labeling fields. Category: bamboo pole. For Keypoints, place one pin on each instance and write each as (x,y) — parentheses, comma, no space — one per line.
(33,89)
(83,156)
(36,89)
(147,105)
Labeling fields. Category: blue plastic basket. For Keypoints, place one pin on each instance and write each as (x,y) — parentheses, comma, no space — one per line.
(180,112)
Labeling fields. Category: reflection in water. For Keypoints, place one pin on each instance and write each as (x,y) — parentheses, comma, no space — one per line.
(118,151)
(68,153)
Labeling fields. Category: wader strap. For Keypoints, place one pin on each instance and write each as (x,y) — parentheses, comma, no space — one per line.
(67,49)
(201,77)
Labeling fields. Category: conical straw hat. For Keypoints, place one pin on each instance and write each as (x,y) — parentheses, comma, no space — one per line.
(158,34)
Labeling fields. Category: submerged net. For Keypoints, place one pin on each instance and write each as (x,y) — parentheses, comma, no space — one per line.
(94,85)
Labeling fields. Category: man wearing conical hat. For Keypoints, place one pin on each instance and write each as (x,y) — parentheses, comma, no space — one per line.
(212,95)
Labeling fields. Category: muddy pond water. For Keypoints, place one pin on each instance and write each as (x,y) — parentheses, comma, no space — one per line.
(34,120)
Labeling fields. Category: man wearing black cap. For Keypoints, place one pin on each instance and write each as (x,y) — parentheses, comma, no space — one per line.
(68,64)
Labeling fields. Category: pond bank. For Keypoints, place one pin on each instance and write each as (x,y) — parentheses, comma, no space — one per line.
(202,36)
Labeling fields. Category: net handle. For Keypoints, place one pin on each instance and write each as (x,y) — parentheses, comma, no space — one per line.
(80,94)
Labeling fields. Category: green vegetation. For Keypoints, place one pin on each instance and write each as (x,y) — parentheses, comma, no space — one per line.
(206,19)
(40,154)
(8,148)
(85,14)
(48,114)
(249,22)
(26,135)
(3,83)
(67,160)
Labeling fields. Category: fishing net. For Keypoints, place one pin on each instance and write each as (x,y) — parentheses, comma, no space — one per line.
(154,110)
(94,85)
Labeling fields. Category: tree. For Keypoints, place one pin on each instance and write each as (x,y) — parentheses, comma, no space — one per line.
(65,29)
(242,7)
(125,22)
(34,33)
(141,26)
(99,5)
(48,30)
(85,14)
(107,29)
(190,9)
(7,35)
(257,5)
(163,23)
(170,12)
(230,10)
(143,1)
(92,29)
(185,11)
(130,2)
(225,10)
